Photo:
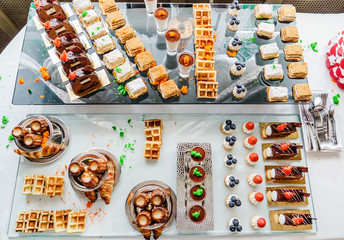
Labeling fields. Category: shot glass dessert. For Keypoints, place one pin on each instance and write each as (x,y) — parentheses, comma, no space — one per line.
(172,37)
(151,5)
(161,19)
(185,61)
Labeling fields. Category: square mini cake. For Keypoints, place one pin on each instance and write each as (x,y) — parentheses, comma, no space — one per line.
(88,18)
(263,11)
(136,88)
(266,30)
(169,89)
(96,30)
(107,6)
(297,70)
(277,94)
(104,44)
(124,72)
(134,46)
(290,34)
(286,13)
(302,92)
(115,20)
(113,59)
(124,34)
(273,72)
(157,75)
(269,51)
(81,5)
(293,52)
(145,61)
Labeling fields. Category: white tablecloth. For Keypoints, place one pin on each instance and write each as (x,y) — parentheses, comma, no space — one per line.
(326,169)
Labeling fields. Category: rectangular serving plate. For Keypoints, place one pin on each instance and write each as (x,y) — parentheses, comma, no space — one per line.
(34,51)
(95,130)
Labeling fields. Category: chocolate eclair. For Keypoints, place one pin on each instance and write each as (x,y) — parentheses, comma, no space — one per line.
(286,172)
(286,195)
(66,42)
(294,219)
(58,25)
(73,59)
(280,129)
(83,79)
(46,9)
(282,151)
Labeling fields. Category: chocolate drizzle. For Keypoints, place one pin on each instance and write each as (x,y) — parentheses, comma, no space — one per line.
(299,195)
(296,173)
(306,217)
(289,129)
(278,152)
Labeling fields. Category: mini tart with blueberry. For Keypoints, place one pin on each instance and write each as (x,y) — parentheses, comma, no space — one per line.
(250,142)
(231,181)
(228,127)
(233,24)
(239,91)
(234,44)
(255,198)
(238,68)
(257,222)
(254,179)
(233,201)
(251,158)
(234,225)
(229,142)
(248,127)
(230,161)
(234,8)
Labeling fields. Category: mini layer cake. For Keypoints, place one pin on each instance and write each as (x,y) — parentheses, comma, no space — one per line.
(250,142)
(234,44)
(231,181)
(302,92)
(83,79)
(136,88)
(66,42)
(57,26)
(96,30)
(293,52)
(238,68)
(145,61)
(273,72)
(107,6)
(115,20)
(257,222)
(157,74)
(113,59)
(255,198)
(286,13)
(234,225)
(254,179)
(227,127)
(233,201)
(229,142)
(124,34)
(169,89)
(297,70)
(269,51)
(251,159)
(104,44)
(81,5)
(88,18)
(263,11)
(233,24)
(277,94)
(123,72)
(234,8)
(73,59)
(46,9)
(134,46)
(266,30)
(239,91)
(248,127)
(290,34)
(230,161)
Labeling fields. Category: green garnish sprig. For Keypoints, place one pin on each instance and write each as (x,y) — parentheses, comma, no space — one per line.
(197,173)
(196,154)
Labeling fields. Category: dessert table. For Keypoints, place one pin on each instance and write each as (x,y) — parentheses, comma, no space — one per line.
(327,180)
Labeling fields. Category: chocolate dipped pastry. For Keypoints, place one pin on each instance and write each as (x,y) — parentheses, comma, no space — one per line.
(157,197)
(286,172)
(159,214)
(39,125)
(73,59)
(141,200)
(76,168)
(56,26)
(280,129)
(66,42)
(46,9)
(282,151)
(83,79)
(294,219)
(89,179)
(144,218)
(98,165)
(291,195)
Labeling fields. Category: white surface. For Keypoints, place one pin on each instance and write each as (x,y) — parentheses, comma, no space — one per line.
(327,187)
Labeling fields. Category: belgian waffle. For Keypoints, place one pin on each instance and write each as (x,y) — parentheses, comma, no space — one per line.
(76,222)
(54,185)
(38,185)
(153,134)
(202,65)
(206,76)
(32,222)
(60,220)
(207,89)
(21,221)
(28,184)
(152,150)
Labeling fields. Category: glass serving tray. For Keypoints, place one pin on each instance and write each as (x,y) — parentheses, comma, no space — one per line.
(95,131)
(34,55)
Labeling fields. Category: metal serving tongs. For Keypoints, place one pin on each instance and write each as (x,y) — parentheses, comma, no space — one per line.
(332,125)
(311,133)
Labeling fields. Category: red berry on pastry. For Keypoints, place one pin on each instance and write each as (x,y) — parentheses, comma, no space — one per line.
(288,195)
(257,179)
(249,125)
(259,196)
(37,3)
(285,146)
(281,127)
(47,25)
(298,221)
(287,170)
(72,75)
(254,157)
(57,42)
(252,140)
(64,56)
(261,222)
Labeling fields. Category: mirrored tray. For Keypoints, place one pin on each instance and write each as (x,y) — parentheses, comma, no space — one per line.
(35,54)
(97,131)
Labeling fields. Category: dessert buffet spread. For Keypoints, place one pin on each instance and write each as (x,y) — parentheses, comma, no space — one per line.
(117,179)
(103,53)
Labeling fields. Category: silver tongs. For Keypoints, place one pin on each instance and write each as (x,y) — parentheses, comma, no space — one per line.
(311,133)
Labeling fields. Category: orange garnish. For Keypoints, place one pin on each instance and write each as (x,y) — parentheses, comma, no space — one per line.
(184,89)
(72,75)
(161,13)
(89,204)
(45,75)
(37,3)
(47,25)
(172,34)
(21,81)
(231,54)
(186,61)
(37,79)
(215,36)
(334,80)
(42,69)
(42,96)
(64,56)
(57,42)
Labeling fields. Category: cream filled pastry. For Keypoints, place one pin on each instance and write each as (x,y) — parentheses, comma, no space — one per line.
(230,161)
(255,198)
(250,142)
(254,179)
(252,159)
(233,201)
(257,222)
(248,127)
(231,181)
(229,142)
(228,127)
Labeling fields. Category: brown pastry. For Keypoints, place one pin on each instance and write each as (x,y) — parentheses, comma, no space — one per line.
(84,80)
(106,189)
(157,197)
(46,9)
(57,26)
(141,200)
(66,42)
(144,61)
(169,89)
(302,92)
(39,125)
(74,59)
(49,149)
(33,140)
(89,179)
(297,70)
(19,132)
(144,218)
(286,13)
(76,168)
(290,34)
(124,34)
(293,52)
(115,20)
(91,195)
(97,165)
(157,74)
(107,6)
(134,46)
(159,214)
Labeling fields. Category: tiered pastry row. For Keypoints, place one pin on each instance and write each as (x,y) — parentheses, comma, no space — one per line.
(56,220)
(43,185)
(207,86)
(153,132)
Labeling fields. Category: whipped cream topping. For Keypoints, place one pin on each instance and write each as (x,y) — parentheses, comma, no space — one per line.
(271,48)
(246,143)
(250,179)
(268,130)
(273,173)
(269,152)
(254,221)
(252,198)
(245,130)
(278,92)
(274,196)
(223,125)
(281,219)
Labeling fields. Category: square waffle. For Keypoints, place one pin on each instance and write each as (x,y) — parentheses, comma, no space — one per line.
(206,76)
(202,23)
(153,134)
(115,20)
(157,74)
(152,150)
(54,185)
(202,65)
(107,6)
(32,222)
(205,43)
(76,222)
(124,34)
(43,224)
(204,32)
(207,89)
(202,54)
(60,220)
(153,123)
(21,221)
(201,6)
(202,13)
(28,184)
(39,185)
(145,61)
